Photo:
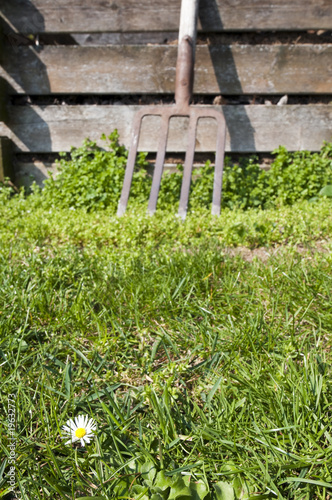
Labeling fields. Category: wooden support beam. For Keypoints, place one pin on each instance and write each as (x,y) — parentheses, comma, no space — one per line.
(3,82)
(3,100)
(6,159)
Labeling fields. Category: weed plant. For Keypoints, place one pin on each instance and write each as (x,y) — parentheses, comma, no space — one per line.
(92,178)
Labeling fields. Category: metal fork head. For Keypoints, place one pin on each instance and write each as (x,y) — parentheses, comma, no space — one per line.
(183,92)
(195,113)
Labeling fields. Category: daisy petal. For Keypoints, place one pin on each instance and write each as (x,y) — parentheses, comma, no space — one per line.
(66,428)
(79,422)
(72,425)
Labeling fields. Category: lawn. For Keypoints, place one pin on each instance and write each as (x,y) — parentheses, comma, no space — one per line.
(201,349)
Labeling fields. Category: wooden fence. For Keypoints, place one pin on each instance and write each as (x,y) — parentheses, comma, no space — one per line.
(72,69)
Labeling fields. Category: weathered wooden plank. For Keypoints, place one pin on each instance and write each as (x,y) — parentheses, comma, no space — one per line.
(6,159)
(38,16)
(249,128)
(237,69)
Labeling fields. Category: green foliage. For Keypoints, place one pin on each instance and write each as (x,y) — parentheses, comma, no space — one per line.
(298,176)
(148,483)
(92,179)
(170,189)
(6,190)
(244,185)
(202,187)
(291,178)
(326,191)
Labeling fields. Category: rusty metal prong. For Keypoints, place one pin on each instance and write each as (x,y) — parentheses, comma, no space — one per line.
(188,165)
(158,169)
(219,162)
(130,164)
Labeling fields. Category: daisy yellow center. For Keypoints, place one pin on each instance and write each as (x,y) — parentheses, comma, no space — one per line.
(80,432)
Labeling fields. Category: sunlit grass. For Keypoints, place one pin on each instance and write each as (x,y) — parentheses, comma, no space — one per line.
(188,358)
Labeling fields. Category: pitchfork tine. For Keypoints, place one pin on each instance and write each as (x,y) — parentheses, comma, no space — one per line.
(158,169)
(130,164)
(187,170)
(219,164)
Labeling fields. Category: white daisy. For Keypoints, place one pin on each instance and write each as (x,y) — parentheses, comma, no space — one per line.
(79,429)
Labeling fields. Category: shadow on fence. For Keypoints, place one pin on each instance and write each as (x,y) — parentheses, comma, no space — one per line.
(211,11)
(18,44)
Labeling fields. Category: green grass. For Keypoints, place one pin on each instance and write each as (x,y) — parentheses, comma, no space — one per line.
(191,361)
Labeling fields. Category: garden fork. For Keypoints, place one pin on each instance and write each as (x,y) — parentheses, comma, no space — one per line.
(182,108)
